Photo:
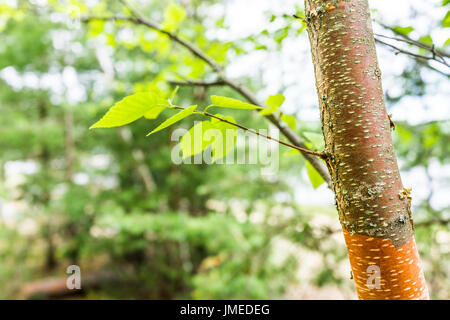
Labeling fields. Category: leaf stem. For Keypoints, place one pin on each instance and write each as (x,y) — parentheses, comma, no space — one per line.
(304,150)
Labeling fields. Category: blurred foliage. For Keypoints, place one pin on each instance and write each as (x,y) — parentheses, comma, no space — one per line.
(113,200)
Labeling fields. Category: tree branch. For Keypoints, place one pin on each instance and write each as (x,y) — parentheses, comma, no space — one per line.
(417,56)
(195,83)
(241,89)
(411,41)
(427,223)
(303,150)
(435,56)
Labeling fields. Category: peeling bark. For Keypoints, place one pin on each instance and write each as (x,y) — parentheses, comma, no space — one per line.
(374,208)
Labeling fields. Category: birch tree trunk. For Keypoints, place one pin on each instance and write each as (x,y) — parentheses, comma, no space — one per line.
(374,208)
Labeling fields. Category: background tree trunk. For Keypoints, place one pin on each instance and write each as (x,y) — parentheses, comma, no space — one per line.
(373,206)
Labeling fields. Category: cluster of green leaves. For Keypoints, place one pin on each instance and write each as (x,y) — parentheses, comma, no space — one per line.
(202,135)
(150,105)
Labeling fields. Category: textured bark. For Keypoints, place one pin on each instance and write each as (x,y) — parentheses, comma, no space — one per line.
(373,206)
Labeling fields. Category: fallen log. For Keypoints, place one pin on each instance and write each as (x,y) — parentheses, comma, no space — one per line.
(56,288)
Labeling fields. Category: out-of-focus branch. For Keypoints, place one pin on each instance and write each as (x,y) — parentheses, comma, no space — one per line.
(69,146)
(415,55)
(436,54)
(139,158)
(411,41)
(428,223)
(196,83)
(136,18)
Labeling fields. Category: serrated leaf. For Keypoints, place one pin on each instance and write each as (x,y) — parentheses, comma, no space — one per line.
(275,101)
(290,121)
(130,109)
(153,113)
(192,142)
(230,103)
(226,141)
(175,118)
(315,178)
(199,137)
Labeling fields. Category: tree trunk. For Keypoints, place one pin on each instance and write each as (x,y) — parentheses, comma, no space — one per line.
(373,206)
(45,197)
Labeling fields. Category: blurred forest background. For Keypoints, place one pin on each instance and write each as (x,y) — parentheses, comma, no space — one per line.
(139,226)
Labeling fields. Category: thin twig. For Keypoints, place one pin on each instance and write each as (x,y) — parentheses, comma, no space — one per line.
(415,42)
(196,83)
(304,150)
(400,50)
(435,55)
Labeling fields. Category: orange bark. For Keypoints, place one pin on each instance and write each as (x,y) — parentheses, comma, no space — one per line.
(401,276)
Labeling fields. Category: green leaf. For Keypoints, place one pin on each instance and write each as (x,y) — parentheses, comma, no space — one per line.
(153,113)
(192,142)
(446,20)
(225,143)
(426,40)
(218,51)
(175,118)
(199,137)
(275,101)
(403,133)
(173,94)
(95,28)
(445,2)
(267,111)
(315,178)
(316,140)
(404,30)
(290,121)
(446,43)
(281,34)
(130,109)
(230,103)
(173,16)
(111,40)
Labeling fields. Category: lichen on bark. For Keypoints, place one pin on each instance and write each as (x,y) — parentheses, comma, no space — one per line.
(355,124)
